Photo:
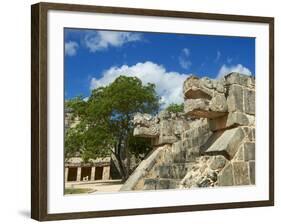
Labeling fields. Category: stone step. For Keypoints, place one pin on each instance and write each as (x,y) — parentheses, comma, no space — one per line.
(189,155)
(180,157)
(175,171)
(177,147)
(186,163)
(160,183)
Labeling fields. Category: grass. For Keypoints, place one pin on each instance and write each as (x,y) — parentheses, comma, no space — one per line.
(77,190)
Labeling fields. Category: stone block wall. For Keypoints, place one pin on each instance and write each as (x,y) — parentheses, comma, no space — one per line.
(211,144)
(228,157)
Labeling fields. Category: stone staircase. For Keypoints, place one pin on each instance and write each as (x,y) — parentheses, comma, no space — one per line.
(178,162)
(166,167)
(168,176)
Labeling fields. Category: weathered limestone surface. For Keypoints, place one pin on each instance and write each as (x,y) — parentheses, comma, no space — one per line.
(241,173)
(249,151)
(237,119)
(230,150)
(211,144)
(218,162)
(145,167)
(225,177)
(146,126)
(106,173)
(227,144)
(249,101)
(235,99)
(164,128)
(252,172)
(204,97)
(218,103)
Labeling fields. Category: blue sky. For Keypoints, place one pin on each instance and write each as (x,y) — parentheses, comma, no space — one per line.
(95,58)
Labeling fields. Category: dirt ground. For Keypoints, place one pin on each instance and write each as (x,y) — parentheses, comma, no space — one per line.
(96,186)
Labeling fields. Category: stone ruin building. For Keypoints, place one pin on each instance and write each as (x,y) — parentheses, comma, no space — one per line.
(211,144)
(77,170)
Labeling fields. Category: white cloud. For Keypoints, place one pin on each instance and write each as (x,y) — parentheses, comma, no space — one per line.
(225,70)
(184,63)
(218,56)
(184,60)
(186,51)
(229,60)
(101,40)
(168,84)
(85,99)
(71,48)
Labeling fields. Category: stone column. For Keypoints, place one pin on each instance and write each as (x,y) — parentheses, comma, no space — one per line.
(78,173)
(93,173)
(106,173)
(66,173)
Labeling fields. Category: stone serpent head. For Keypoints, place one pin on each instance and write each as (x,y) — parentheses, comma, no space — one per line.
(210,98)
(146,126)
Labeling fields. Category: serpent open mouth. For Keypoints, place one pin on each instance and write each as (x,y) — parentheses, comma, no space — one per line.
(145,126)
(204,98)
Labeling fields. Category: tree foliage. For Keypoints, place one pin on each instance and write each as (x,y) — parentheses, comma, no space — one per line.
(175,108)
(105,121)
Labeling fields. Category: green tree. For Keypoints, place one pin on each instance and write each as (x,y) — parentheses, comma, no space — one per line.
(105,126)
(175,108)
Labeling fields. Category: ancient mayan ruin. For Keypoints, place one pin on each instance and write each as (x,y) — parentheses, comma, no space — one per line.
(211,144)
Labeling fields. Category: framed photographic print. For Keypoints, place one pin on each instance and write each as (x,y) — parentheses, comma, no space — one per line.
(139,111)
